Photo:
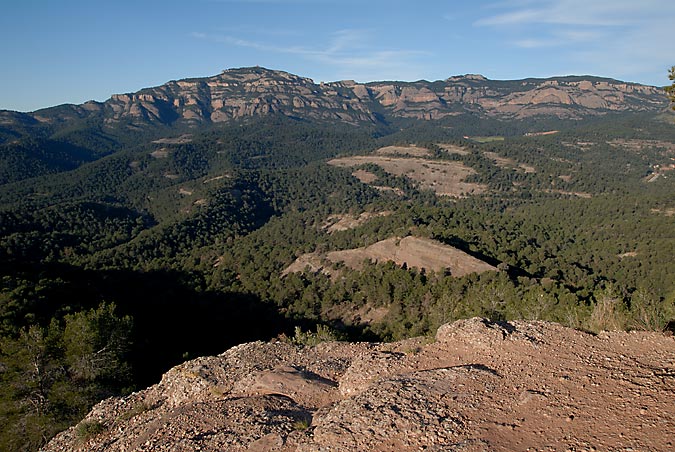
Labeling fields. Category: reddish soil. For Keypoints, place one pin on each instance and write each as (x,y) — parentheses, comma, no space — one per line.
(413,251)
(479,386)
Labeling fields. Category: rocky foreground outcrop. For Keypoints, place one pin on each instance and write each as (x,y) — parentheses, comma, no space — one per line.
(477,386)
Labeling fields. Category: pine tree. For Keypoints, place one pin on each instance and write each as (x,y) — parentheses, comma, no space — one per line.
(670,90)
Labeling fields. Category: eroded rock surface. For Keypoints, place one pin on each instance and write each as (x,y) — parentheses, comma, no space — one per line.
(478,386)
(258,92)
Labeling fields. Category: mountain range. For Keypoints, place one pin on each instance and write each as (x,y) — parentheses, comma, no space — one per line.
(256,91)
(64,137)
(185,219)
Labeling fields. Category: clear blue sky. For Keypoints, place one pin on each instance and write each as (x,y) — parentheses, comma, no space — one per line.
(71,51)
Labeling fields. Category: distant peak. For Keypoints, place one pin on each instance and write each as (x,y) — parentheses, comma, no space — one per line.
(468,77)
(260,72)
(255,70)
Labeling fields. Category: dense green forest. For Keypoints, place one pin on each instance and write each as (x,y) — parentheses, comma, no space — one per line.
(120,259)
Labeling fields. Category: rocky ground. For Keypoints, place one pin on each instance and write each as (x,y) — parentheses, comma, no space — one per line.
(479,386)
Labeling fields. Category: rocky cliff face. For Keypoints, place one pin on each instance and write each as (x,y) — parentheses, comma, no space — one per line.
(236,94)
(566,97)
(256,91)
(479,386)
(253,92)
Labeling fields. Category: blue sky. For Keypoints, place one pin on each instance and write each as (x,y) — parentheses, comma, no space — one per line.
(71,51)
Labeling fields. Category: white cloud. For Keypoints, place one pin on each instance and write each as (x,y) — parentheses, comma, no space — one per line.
(622,38)
(536,43)
(572,35)
(260,31)
(513,18)
(602,13)
(345,40)
(348,53)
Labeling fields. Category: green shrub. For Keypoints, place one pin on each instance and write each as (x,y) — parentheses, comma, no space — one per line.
(609,314)
(648,313)
(303,420)
(86,430)
(138,408)
(323,334)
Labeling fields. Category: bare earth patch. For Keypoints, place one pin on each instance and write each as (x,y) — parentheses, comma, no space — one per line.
(417,252)
(667,212)
(444,178)
(500,161)
(335,223)
(397,191)
(314,262)
(639,145)
(504,162)
(367,314)
(412,151)
(628,254)
(578,194)
(183,139)
(160,153)
(365,176)
(211,179)
(540,134)
(453,149)
(582,145)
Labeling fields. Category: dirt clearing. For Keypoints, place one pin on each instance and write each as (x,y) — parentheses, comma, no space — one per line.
(444,178)
(504,162)
(453,149)
(412,151)
(183,139)
(365,176)
(416,252)
(336,223)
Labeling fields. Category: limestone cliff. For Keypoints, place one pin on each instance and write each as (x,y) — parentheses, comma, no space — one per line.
(257,92)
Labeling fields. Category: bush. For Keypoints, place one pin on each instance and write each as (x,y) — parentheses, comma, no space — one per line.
(138,408)
(302,424)
(86,430)
(309,339)
(609,314)
(647,313)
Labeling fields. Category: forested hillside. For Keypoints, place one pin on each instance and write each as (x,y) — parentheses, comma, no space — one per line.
(127,250)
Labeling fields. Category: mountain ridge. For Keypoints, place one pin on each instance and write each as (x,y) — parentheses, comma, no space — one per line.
(253,91)
(63,137)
